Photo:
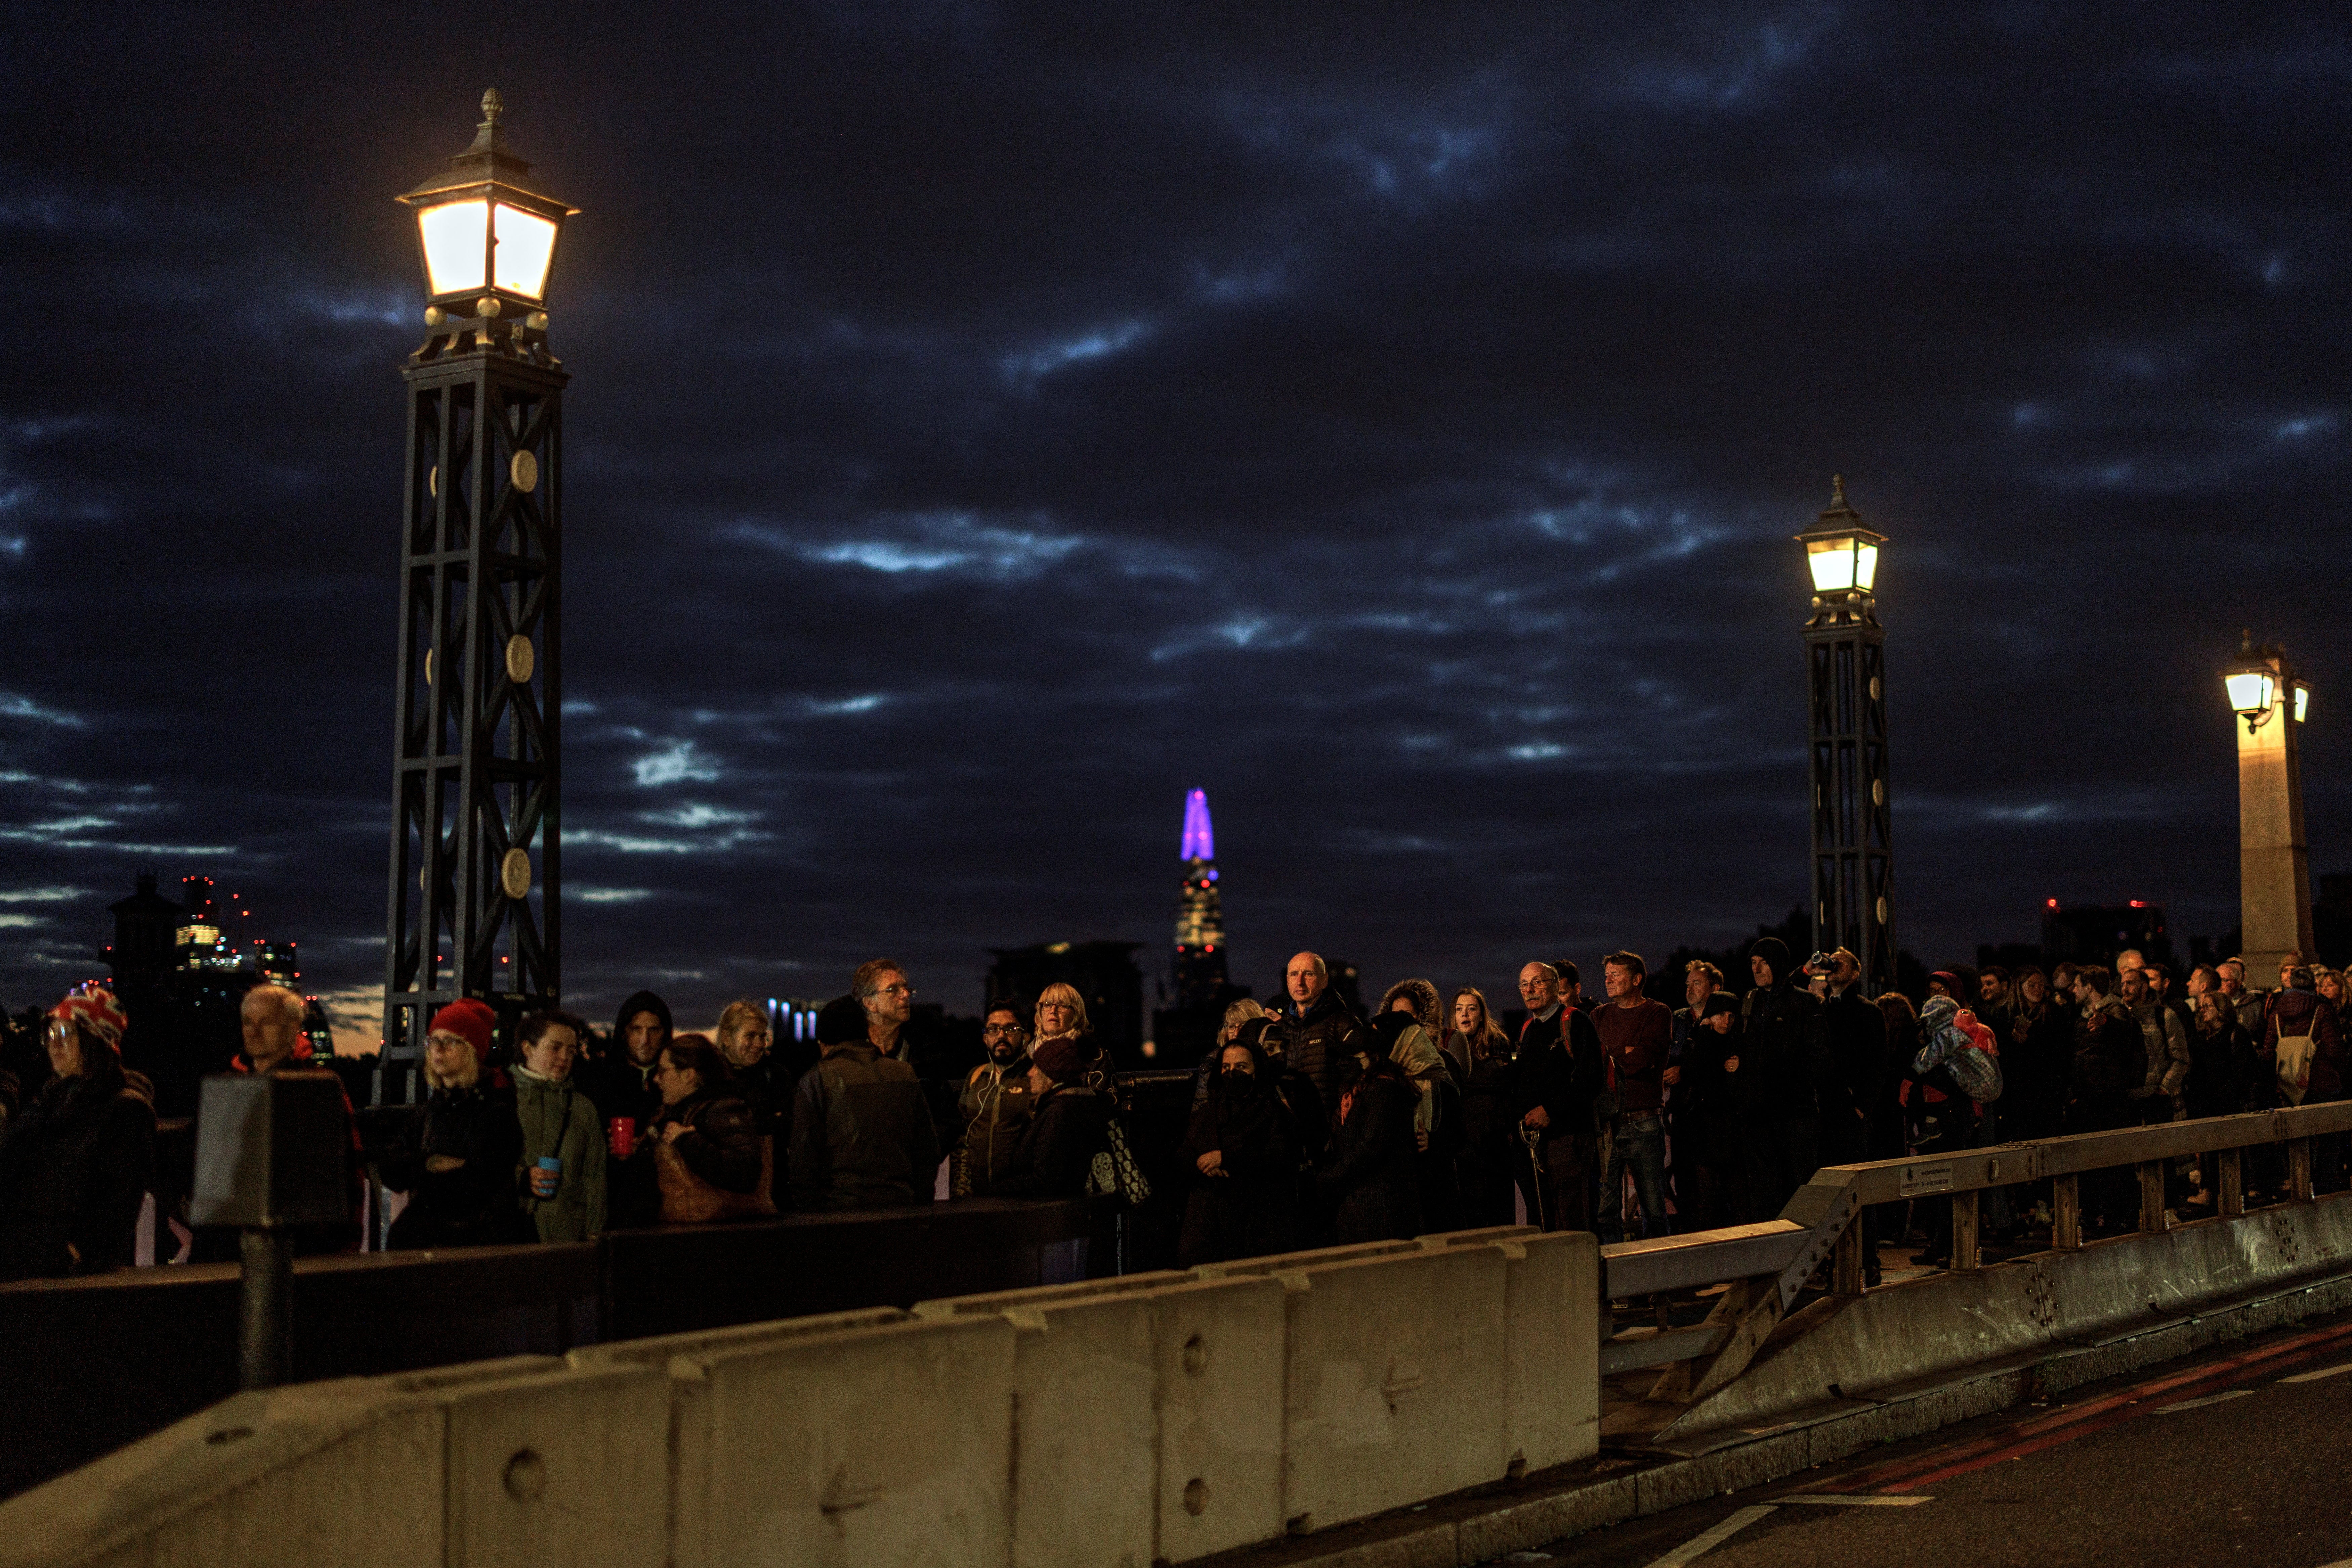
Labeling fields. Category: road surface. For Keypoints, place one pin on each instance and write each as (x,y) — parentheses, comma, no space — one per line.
(2237,1457)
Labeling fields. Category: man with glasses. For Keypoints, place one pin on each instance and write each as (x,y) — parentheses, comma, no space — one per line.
(862,1135)
(996,1104)
(881,986)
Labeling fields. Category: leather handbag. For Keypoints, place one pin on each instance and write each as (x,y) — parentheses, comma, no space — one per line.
(688,1199)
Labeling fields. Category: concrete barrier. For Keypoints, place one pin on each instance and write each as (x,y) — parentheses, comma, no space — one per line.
(1551,1308)
(1275,1262)
(1153,1418)
(1220,1346)
(478,1465)
(1146,1418)
(881,1445)
(1393,1381)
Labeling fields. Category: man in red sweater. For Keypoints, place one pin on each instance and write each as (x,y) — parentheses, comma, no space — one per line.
(1636,1033)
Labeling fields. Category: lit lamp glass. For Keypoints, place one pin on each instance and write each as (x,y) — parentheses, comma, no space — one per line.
(2251,690)
(484,227)
(1842,563)
(2302,700)
(457,236)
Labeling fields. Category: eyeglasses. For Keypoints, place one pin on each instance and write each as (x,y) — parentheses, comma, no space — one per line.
(897,990)
(61,1032)
(996,1029)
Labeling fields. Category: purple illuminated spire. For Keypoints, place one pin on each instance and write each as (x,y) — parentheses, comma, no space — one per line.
(1198,843)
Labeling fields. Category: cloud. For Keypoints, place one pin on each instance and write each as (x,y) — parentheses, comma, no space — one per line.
(679,762)
(921,545)
(609,895)
(14,705)
(1029,366)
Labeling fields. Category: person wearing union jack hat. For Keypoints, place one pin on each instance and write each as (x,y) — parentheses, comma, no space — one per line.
(75,1163)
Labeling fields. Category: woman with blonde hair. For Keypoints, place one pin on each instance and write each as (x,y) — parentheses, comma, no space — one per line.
(746,1039)
(1481,1054)
(1062,1015)
(459,1151)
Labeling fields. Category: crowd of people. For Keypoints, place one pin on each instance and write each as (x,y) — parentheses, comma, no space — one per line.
(1308,1124)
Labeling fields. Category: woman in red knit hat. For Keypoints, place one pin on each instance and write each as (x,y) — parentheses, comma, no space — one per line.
(74,1164)
(458,1155)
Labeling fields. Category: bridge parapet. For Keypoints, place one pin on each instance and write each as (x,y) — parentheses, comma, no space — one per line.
(1118,1421)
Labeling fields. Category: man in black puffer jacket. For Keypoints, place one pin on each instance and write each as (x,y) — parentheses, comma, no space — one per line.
(1315,1030)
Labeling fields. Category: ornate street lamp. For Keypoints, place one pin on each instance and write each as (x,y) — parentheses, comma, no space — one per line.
(473,908)
(2273,859)
(1845,654)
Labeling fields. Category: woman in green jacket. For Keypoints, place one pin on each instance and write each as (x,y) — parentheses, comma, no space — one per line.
(562,1177)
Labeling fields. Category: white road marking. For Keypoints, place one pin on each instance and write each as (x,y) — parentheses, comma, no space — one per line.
(1699,1545)
(1857,1500)
(2209,1399)
(2314,1377)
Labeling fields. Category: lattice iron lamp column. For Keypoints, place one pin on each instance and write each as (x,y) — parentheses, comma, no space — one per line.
(1845,659)
(473,904)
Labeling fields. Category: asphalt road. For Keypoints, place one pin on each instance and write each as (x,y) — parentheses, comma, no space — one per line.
(2240,1456)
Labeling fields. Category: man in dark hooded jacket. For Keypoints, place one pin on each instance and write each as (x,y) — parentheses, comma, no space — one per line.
(1781,1042)
(623,1090)
(862,1135)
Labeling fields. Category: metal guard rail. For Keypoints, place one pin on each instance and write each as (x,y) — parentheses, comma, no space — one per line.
(1816,1227)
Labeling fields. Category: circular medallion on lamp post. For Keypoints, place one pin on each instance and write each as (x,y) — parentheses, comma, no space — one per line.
(523,469)
(514,872)
(520,659)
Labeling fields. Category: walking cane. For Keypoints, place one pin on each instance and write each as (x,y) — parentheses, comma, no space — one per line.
(1533,1138)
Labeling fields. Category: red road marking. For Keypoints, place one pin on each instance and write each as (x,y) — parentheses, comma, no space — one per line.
(2078,1420)
(2116,1408)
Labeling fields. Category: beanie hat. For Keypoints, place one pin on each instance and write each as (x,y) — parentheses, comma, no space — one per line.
(841,1021)
(1939,1011)
(1717,1003)
(96,1007)
(1775,954)
(1060,1059)
(470,1020)
(1950,980)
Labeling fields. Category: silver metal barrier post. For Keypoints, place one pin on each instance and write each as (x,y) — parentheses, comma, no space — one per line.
(271,1154)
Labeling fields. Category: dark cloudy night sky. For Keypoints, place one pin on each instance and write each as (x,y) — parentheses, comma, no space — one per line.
(990,421)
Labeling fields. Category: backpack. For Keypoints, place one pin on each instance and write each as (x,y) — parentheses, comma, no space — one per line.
(2293,1065)
(1967,1051)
